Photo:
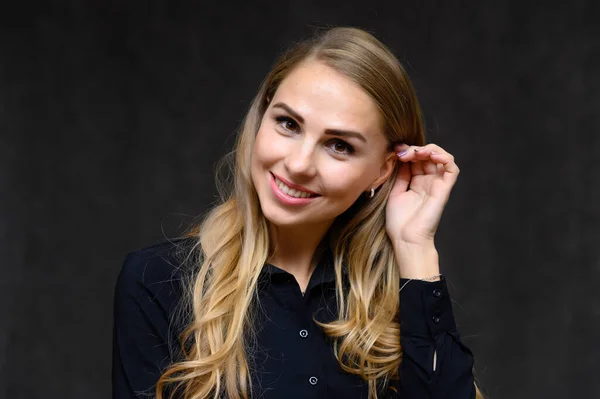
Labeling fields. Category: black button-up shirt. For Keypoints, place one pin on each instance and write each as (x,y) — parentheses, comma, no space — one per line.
(293,357)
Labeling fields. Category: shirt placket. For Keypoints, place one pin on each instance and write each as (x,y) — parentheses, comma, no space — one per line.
(304,337)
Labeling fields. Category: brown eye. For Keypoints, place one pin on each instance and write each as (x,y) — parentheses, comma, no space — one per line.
(286,123)
(341,147)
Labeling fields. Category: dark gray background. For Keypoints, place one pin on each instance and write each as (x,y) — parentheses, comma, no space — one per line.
(113,114)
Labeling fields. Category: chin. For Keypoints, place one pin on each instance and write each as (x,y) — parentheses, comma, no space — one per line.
(278,218)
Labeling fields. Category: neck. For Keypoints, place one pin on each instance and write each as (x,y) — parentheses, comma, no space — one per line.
(296,249)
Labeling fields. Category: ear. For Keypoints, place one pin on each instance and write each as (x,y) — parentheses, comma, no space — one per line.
(386,169)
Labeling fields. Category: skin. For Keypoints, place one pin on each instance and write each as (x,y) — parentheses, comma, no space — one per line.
(303,153)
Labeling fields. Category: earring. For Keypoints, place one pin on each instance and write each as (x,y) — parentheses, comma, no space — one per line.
(371,194)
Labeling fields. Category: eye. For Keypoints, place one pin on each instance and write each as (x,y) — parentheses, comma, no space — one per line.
(349,150)
(340,147)
(287,123)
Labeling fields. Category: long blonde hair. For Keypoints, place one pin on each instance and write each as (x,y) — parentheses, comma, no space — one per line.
(232,241)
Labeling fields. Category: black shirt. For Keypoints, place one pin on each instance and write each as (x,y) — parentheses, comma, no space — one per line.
(294,358)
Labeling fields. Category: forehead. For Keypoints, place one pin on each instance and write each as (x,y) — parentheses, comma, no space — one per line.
(322,95)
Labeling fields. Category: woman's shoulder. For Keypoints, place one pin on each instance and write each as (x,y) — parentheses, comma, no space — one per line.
(149,314)
(156,273)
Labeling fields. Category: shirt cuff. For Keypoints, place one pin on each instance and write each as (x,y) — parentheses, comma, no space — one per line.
(425,308)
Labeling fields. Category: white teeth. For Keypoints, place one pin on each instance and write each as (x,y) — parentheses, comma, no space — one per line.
(290,191)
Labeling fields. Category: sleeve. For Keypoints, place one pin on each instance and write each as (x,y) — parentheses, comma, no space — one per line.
(140,347)
(427,327)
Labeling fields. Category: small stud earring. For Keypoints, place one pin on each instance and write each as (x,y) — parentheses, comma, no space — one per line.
(371,194)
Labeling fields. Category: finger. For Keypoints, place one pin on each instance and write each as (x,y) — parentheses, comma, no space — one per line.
(440,169)
(450,169)
(402,179)
(407,156)
(430,167)
(416,167)
(415,153)
(431,147)
(418,157)
(423,159)
(402,150)
(408,153)
(400,146)
(423,154)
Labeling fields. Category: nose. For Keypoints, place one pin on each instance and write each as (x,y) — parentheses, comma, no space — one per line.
(300,162)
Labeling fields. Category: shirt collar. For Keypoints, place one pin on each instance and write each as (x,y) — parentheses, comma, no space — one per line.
(323,273)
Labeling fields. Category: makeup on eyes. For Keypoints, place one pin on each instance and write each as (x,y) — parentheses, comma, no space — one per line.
(281,119)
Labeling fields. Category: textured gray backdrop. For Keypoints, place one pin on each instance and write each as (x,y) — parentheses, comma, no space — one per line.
(113,114)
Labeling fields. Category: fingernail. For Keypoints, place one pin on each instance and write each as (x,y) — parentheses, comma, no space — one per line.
(402,153)
(417,149)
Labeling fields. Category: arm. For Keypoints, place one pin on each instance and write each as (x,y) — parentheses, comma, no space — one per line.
(435,363)
(140,348)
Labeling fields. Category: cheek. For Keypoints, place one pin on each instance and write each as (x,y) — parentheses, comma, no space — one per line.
(267,147)
(343,181)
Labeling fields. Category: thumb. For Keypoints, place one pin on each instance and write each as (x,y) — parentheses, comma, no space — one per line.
(402,179)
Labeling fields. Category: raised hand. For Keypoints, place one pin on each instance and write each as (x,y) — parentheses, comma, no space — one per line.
(416,204)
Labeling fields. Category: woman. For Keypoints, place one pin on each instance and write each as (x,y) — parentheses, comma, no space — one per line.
(297,285)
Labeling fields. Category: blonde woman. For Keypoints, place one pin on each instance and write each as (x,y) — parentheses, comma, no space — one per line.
(317,275)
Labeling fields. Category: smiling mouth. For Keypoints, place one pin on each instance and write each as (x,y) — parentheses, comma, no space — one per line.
(291,191)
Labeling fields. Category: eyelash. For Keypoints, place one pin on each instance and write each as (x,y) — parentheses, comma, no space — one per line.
(349,148)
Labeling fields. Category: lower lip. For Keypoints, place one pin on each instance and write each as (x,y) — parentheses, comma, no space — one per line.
(287,199)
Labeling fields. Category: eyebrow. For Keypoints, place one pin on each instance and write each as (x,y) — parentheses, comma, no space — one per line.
(332,132)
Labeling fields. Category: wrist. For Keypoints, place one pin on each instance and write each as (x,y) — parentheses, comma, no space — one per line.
(417,262)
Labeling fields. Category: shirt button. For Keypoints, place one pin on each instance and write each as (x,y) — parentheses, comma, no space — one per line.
(313,380)
(436,319)
(303,333)
(437,293)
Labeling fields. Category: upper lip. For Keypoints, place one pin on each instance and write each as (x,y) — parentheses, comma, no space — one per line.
(294,186)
